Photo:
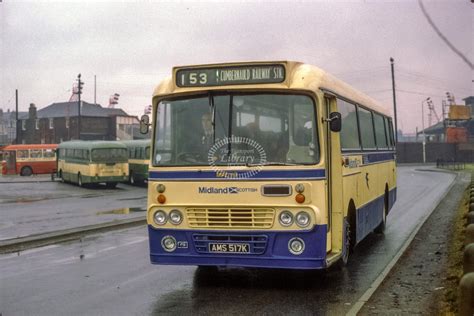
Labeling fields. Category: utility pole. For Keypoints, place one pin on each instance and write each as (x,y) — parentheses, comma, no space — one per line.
(394,101)
(79,91)
(423,127)
(16,117)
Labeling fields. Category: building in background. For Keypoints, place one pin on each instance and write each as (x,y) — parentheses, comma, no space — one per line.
(8,126)
(457,127)
(59,122)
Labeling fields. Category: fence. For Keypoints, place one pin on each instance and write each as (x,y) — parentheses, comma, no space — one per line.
(435,152)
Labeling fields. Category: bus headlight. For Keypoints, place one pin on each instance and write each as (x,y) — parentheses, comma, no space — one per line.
(168,243)
(286,218)
(296,246)
(176,217)
(159,217)
(303,219)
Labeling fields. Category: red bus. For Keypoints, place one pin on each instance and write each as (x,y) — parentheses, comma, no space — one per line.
(29,159)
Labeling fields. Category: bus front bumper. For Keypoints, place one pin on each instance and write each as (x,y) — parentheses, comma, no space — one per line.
(265,249)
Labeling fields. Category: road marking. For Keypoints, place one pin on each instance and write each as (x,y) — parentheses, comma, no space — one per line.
(373,287)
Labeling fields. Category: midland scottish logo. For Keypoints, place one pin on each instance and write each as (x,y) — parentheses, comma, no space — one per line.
(236,151)
(227,190)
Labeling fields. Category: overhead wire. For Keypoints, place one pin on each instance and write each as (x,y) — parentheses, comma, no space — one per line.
(441,35)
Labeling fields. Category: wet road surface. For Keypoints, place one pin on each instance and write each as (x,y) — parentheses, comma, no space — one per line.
(111,274)
(30,208)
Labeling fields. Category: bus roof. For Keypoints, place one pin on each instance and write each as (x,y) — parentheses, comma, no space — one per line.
(299,76)
(29,146)
(137,142)
(94,144)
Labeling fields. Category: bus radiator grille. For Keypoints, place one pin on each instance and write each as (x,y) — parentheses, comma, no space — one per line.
(258,243)
(246,218)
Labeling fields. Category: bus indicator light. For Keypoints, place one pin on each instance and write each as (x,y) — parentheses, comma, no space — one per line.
(299,188)
(160,188)
(161,199)
(300,198)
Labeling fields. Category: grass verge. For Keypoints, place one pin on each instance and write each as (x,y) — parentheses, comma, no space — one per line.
(449,304)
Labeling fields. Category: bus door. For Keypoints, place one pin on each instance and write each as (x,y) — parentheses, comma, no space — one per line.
(334,179)
(10,158)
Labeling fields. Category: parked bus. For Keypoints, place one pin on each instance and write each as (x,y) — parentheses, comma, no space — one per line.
(86,162)
(29,159)
(265,164)
(138,159)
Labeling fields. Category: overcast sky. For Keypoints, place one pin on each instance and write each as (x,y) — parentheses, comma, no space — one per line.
(131,46)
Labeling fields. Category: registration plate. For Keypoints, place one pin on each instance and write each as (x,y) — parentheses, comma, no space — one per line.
(229,248)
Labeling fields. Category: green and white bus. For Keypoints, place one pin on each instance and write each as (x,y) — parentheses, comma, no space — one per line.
(85,162)
(138,159)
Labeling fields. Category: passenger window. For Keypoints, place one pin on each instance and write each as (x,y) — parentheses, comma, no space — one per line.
(349,131)
(48,153)
(35,153)
(380,131)
(392,139)
(22,154)
(366,129)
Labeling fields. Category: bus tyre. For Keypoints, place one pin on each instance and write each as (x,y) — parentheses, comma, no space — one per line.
(381,227)
(26,171)
(111,185)
(79,180)
(346,247)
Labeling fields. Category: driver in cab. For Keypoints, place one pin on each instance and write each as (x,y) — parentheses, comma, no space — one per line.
(208,132)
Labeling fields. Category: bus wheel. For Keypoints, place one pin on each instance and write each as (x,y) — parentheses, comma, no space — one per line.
(111,185)
(346,247)
(26,171)
(381,227)
(79,180)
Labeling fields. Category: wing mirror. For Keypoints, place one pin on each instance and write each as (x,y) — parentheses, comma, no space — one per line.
(335,121)
(144,124)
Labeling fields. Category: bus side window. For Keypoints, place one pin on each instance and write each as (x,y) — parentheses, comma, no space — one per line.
(380,132)
(22,154)
(350,129)
(366,128)
(48,153)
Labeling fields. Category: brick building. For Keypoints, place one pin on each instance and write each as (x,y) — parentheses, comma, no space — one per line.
(59,122)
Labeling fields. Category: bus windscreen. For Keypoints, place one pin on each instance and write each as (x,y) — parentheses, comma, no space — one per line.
(236,130)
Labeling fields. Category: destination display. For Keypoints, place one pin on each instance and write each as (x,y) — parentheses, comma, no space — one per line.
(221,76)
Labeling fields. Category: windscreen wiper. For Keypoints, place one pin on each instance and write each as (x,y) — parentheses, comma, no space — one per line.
(213,116)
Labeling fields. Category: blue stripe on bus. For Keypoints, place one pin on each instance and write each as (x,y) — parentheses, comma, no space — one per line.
(377,157)
(238,175)
(275,255)
(370,158)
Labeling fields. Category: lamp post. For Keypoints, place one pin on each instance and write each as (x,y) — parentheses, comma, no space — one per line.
(423,127)
(79,92)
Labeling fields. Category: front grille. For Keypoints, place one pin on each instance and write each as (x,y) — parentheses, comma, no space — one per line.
(258,243)
(230,217)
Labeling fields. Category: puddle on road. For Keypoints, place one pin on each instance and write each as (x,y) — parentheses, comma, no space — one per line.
(126,210)
(26,200)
